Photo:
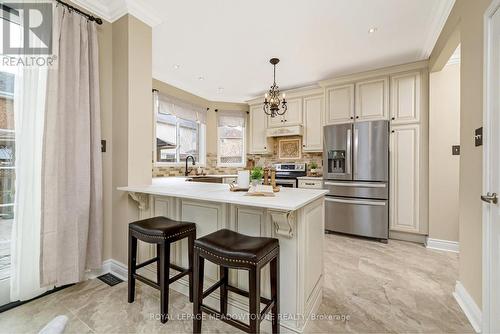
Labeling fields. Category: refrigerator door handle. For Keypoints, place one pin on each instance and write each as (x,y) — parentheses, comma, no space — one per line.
(355,160)
(348,153)
(356,202)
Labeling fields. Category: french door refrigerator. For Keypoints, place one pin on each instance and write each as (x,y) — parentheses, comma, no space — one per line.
(356,173)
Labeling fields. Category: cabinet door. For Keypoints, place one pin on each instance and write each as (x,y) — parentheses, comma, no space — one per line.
(405,167)
(372,99)
(293,115)
(405,98)
(339,104)
(258,126)
(275,122)
(313,124)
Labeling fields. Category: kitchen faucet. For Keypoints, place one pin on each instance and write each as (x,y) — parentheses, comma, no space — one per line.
(186,173)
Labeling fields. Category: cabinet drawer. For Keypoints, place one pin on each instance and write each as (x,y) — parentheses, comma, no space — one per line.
(311,184)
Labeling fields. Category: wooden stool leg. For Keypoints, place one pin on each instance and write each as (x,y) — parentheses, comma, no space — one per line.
(199,266)
(164,273)
(224,276)
(191,238)
(158,276)
(254,291)
(275,293)
(132,255)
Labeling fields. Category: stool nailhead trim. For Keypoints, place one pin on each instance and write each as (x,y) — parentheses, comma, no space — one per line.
(232,260)
(163,238)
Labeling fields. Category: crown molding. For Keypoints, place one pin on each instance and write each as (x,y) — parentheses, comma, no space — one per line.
(112,10)
(443,10)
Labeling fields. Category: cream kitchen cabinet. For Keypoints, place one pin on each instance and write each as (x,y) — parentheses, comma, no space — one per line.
(259,143)
(405,178)
(293,115)
(313,124)
(339,104)
(405,98)
(372,99)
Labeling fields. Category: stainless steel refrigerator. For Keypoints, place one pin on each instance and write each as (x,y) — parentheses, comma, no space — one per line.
(356,173)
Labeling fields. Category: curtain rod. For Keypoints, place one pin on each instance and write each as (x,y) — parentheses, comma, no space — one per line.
(88,16)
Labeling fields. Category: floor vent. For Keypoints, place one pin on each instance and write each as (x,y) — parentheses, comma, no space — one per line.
(110,279)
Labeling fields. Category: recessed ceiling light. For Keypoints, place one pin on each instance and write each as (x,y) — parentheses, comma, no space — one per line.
(201,78)
(220,89)
(372,30)
(177,66)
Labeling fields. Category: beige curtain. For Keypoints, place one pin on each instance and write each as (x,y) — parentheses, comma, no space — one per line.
(72,171)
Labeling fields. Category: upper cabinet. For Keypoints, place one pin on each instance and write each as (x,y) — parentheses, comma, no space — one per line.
(313,124)
(258,143)
(293,115)
(405,98)
(372,99)
(339,104)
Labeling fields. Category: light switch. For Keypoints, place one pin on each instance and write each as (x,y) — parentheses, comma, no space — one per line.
(478,137)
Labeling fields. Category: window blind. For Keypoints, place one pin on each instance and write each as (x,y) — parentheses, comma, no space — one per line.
(171,106)
(231,118)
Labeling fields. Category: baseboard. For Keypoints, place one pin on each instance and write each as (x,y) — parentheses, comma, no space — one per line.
(406,236)
(470,308)
(444,245)
(116,268)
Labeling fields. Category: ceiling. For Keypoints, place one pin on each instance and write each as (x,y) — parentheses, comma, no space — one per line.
(229,42)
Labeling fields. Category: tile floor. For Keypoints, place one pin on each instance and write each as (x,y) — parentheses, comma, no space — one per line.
(399,287)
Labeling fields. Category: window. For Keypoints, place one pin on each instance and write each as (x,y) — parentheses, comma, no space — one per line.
(180,132)
(231,139)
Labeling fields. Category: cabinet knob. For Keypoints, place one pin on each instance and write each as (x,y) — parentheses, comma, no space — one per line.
(393,118)
(392,131)
(357,117)
(352,117)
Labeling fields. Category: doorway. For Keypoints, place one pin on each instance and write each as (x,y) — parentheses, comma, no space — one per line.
(491,168)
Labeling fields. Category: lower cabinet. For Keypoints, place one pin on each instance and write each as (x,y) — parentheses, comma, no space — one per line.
(405,178)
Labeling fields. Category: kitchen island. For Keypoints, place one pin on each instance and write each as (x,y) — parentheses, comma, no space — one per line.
(294,216)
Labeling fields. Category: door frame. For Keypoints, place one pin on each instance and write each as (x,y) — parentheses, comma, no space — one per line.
(488,154)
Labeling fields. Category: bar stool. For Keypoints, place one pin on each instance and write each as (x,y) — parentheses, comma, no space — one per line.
(229,249)
(161,231)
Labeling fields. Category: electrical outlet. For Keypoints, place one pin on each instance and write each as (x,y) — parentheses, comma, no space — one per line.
(103,145)
(455,150)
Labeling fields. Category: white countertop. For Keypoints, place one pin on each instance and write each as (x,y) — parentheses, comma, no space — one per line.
(287,199)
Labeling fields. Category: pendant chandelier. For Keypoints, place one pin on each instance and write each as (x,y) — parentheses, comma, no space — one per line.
(273,104)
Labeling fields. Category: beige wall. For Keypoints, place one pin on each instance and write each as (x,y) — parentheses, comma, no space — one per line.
(465,26)
(444,131)
(132,123)
(106,86)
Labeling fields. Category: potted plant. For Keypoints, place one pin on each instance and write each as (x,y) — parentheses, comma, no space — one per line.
(256,175)
(313,167)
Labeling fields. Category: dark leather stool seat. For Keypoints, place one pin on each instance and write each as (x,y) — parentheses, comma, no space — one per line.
(230,249)
(161,227)
(161,231)
(235,246)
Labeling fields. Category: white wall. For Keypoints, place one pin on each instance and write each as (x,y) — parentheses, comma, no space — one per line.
(444,131)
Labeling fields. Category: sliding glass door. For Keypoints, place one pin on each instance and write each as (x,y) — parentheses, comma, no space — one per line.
(7,177)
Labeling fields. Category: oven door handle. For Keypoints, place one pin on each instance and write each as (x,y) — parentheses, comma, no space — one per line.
(357,202)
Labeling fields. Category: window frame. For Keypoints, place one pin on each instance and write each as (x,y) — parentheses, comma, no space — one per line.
(244,151)
(202,142)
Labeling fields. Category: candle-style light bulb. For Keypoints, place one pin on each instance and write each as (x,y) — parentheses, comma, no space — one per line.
(265,96)
(284,96)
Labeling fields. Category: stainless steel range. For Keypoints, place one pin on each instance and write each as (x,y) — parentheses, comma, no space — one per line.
(287,174)
(356,164)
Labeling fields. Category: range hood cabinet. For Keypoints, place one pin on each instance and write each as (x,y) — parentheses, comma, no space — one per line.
(296,130)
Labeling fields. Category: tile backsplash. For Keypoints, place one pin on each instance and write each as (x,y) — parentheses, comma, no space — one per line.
(259,159)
